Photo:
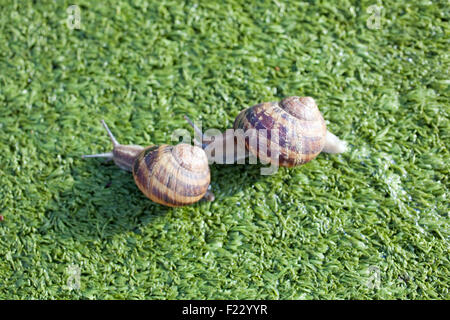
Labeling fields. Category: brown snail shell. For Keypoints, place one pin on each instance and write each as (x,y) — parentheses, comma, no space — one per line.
(172,175)
(298,123)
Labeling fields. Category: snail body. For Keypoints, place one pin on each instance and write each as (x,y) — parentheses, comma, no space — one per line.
(169,175)
(288,133)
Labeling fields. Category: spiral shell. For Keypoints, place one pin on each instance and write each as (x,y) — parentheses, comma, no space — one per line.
(172,175)
(294,128)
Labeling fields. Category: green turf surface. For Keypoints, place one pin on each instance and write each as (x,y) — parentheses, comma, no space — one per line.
(370,223)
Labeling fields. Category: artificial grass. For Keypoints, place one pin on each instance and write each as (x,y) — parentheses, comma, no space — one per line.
(320,231)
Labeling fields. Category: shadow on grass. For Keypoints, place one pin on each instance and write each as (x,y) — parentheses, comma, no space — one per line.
(104,200)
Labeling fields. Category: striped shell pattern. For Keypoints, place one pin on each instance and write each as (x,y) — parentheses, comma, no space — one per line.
(294,129)
(172,175)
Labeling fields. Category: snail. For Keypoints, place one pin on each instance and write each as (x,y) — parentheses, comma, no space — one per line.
(288,133)
(169,175)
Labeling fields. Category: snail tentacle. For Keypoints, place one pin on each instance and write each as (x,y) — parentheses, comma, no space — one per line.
(108,155)
(111,136)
